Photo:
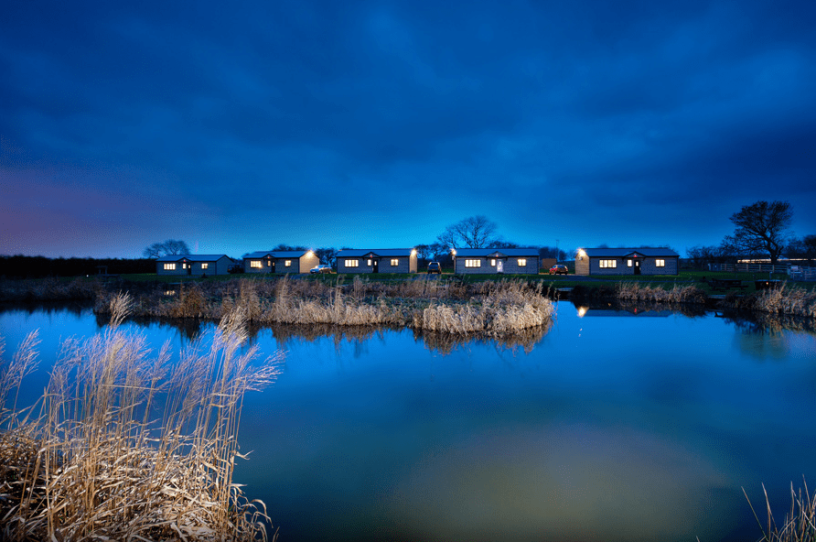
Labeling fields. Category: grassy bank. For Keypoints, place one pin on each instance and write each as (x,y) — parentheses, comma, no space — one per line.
(124,445)
(487,308)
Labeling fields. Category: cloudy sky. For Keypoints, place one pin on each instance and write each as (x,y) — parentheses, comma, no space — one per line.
(237,126)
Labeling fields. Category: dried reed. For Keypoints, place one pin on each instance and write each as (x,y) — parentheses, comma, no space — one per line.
(799,524)
(491,308)
(97,464)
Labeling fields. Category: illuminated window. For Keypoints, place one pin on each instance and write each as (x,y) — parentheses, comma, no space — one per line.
(205,266)
(660,263)
(368,263)
(268,262)
(628,263)
(522,262)
(395,262)
(287,263)
(184,265)
(608,264)
(255,264)
(169,267)
(352,263)
(493,263)
(473,263)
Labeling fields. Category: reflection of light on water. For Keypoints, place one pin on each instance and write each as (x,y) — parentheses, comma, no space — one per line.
(582,311)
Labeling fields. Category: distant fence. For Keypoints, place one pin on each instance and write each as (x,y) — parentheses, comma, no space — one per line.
(795,272)
(749,267)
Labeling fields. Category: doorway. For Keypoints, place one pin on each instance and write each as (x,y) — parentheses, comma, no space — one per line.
(376,264)
(637,267)
(500,266)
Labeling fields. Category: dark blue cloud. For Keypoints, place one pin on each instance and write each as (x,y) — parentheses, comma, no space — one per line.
(328,123)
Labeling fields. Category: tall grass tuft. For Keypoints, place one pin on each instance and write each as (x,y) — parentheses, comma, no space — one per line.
(635,292)
(799,524)
(786,300)
(130,447)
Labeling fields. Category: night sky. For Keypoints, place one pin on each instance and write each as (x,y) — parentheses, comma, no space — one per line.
(239,126)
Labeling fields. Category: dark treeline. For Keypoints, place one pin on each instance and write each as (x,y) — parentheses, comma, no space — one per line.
(39,266)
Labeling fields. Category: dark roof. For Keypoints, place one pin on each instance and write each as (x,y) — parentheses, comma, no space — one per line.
(192,257)
(277,254)
(624,252)
(382,252)
(496,252)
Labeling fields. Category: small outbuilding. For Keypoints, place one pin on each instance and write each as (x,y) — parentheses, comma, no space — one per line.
(193,264)
(485,261)
(381,260)
(280,261)
(626,261)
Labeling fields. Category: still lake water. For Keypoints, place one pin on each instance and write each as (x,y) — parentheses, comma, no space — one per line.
(610,427)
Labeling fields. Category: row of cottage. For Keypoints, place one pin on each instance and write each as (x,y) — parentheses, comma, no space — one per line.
(524,261)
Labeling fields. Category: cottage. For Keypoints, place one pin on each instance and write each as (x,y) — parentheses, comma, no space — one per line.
(626,261)
(389,260)
(280,261)
(484,261)
(193,264)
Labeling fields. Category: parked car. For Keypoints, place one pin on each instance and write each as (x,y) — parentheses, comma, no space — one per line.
(435,267)
(322,268)
(559,270)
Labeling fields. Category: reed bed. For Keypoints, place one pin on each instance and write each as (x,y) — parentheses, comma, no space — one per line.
(125,446)
(785,300)
(492,309)
(635,292)
(799,524)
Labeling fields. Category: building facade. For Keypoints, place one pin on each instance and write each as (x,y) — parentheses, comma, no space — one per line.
(390,260)
(486,261)
(280,261)
(194,264)
(626,261)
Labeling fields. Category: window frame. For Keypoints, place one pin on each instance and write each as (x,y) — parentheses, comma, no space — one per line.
(608,264)
(351,263)
(169,266)
(473,264)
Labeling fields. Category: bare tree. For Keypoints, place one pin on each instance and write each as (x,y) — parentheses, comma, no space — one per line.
(176,247)
(327,255)
(167,248)
(760,228)
(473,232)
(153,251)
(804,248)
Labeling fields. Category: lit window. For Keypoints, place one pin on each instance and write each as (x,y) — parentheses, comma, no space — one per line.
(492,263)
(660,263)
(395,262)
(608,264)
(255,264)
(205,266)
(522,262)
(368,263)
(268,262)
(628,263)
(473,263)
(169,267)
(287,263)
(352,263)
